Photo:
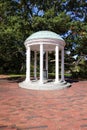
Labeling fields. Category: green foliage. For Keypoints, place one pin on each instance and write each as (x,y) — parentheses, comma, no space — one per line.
(80,70)
(11,37)
(77,45)
(51,22)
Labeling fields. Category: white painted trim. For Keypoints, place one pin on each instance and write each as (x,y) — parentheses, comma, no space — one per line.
(48,41)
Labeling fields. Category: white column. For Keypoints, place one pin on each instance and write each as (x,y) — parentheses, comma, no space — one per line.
(41,63)
(62,64)
(47,63)
(28,64)
(57,64)
(35,65)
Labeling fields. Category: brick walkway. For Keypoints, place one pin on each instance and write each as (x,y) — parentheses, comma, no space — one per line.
(22,109)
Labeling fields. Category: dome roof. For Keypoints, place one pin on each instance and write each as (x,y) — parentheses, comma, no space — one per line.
(44,35)
(48,38)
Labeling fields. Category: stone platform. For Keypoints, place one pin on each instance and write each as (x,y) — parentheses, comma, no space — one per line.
(47,85)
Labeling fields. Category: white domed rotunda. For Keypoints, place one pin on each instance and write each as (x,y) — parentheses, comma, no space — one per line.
(44,41)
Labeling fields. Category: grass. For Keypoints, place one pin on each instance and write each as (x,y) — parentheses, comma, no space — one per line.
(51,75)
(16,75)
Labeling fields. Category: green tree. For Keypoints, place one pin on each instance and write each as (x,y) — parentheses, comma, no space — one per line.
(11,37)
(20,18)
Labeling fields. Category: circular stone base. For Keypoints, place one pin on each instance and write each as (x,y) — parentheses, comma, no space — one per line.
(47,85)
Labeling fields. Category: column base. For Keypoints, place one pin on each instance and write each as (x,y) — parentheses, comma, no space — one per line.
(44,86)
(41,82)
(27,80)
(57,81)
(60,82)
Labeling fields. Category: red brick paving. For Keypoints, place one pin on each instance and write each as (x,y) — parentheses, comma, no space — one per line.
(22,109)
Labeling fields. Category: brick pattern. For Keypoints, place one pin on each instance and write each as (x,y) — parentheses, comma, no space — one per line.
(22,109)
